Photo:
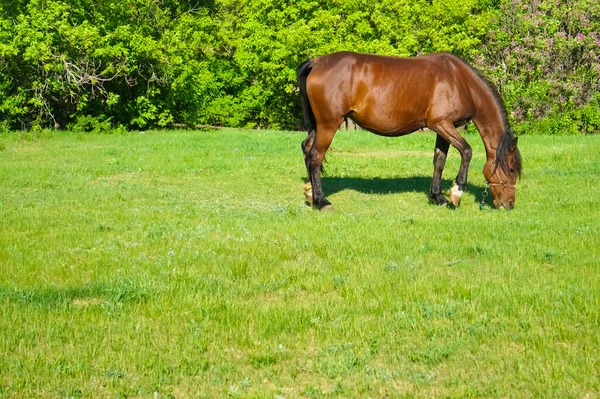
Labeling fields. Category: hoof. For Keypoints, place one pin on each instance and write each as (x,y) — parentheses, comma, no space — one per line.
(323,205)
(455,195)
(455,201)
(438,200)
(327,208)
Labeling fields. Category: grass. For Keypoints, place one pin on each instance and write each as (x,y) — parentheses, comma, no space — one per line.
(186,264)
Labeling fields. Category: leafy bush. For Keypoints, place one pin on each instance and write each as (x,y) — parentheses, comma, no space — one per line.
(147,63)
(545,57)
(95,125)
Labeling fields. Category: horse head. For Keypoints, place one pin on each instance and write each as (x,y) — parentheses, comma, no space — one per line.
(501,172)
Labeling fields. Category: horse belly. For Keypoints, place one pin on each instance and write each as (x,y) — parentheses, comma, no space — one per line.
(386,127)
(389,106)
(391,116)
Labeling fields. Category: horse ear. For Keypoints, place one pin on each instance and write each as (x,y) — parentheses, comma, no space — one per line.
(513,144)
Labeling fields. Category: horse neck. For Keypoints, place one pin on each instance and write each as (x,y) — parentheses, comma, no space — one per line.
(491,138)
(491,123)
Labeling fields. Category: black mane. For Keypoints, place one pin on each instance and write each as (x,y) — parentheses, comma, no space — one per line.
(504,147)
(506,140)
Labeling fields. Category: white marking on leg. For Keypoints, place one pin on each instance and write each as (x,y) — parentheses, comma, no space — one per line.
(455,194)
(308,192)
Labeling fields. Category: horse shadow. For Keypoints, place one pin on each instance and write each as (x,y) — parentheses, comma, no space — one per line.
(394,185)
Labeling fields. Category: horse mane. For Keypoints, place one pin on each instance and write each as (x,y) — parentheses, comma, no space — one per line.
(506,140)
(504,147)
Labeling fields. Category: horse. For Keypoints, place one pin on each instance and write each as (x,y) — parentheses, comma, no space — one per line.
(395,96)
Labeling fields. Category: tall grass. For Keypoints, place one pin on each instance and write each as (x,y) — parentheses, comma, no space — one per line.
(186,264)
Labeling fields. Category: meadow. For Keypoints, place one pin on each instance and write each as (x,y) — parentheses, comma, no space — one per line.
(187,264)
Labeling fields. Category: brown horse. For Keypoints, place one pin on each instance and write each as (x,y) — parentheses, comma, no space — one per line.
(393,96)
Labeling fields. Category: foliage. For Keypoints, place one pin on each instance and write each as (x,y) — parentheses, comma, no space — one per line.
(270,39)
(90,124)
(545,56)
(151,63)
(61,61)
(146,63)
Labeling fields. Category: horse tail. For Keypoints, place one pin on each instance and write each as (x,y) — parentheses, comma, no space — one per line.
(309,117)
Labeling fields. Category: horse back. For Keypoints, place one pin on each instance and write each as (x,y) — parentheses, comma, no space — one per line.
(390,95)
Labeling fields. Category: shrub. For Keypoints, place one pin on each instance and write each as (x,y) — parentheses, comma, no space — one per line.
(545,57)
(95,125)
(101,64)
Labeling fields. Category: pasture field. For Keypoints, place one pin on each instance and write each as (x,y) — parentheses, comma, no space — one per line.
(187,264)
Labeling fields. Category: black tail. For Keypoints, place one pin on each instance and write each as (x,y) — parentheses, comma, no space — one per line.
(309,117)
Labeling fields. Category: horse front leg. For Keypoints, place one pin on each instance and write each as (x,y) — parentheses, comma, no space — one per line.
(439,161)
(460,182)
(448,132)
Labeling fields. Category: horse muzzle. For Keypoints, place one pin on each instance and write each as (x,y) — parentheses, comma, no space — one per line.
(508,205)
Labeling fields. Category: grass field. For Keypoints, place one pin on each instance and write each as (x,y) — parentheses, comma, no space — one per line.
(187,264)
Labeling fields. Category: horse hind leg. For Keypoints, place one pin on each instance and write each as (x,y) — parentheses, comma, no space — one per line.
(306,145)
(314,162)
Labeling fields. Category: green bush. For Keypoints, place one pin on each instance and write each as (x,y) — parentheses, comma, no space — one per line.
(144,63)
(95,125)
(545,57)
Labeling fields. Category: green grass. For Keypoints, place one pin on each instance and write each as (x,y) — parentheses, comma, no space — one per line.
(187,264)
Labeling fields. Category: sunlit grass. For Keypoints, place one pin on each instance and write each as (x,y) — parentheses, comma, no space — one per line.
(186,264)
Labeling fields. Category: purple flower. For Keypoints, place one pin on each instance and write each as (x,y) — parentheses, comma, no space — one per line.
(580,37)
(519,114)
